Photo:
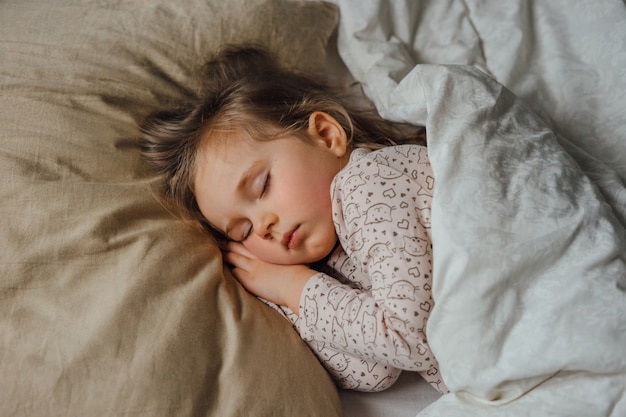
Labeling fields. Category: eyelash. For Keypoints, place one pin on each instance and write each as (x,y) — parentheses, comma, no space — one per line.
(266,186)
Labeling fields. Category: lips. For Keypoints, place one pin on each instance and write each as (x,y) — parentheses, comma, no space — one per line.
(290,239)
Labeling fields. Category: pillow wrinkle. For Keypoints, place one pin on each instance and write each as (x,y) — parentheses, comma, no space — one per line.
(110,305)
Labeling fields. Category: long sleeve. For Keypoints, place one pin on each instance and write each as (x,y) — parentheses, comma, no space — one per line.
(381,204)
(348,371)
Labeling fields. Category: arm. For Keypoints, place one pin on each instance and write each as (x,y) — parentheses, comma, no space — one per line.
(382,215)
(273,283)
(348,371)
(355,373)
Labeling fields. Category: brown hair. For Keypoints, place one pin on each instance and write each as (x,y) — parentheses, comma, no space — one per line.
(246,88)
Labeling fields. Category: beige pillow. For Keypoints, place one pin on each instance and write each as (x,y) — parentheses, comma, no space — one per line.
(109,306)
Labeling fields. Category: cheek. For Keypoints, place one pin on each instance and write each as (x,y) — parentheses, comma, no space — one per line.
(254,245)
(259,248)
(309,191)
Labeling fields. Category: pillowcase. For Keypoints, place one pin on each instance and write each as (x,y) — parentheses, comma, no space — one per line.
(109,304)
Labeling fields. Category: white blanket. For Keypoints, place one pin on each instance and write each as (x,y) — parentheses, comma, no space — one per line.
(530,257)
(530,261)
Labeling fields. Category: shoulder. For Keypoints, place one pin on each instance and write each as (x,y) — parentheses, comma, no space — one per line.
(368,168)
(388,189)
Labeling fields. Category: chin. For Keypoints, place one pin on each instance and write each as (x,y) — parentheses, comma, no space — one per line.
(283,260)
(293,260)
(322,253)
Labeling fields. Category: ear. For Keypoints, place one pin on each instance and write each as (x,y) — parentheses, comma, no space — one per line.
(326,131)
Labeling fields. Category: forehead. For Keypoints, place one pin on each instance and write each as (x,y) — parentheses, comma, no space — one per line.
(230,148)
(220,156)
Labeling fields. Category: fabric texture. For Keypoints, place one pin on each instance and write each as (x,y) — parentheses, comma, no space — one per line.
(530,261)
(109,305)
(381,209)
(571,78)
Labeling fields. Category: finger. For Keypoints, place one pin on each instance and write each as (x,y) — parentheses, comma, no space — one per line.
(242,276)
(241,249)
(237,273)
(238,260)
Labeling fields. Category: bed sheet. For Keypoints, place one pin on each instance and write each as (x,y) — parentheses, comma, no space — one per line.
(566,61)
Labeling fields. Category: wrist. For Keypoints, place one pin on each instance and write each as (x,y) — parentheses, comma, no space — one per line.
(293,291)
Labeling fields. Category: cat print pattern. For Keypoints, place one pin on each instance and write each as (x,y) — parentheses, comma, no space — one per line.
(377,311)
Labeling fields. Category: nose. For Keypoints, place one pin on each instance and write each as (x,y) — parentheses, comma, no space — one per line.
(263,225)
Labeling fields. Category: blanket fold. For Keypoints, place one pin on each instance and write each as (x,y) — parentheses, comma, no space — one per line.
(529,258)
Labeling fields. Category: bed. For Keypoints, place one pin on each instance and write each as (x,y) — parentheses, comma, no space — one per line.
(111,306)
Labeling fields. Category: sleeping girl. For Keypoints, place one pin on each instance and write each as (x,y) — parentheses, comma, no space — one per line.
(322,208)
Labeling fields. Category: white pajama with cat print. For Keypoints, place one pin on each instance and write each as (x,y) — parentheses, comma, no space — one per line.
(366,317)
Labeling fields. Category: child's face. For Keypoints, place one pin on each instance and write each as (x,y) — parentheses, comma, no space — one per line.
(273,196)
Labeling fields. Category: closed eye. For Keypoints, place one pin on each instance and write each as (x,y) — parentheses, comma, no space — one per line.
(266,186)
(247,234)
(240,233)
(262,193)
(247,225)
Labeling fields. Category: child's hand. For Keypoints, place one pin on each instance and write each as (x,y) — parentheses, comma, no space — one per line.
(280,284)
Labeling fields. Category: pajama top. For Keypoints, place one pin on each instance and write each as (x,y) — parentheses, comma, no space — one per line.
(365,317)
